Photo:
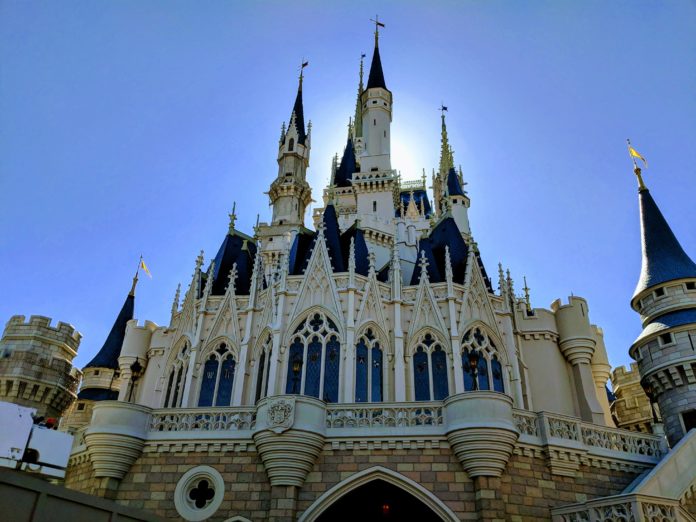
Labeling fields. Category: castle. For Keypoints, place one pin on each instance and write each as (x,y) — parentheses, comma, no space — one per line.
(369,368)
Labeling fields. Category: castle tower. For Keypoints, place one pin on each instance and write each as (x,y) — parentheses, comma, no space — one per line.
(665,298)
(376,117)
(36,364)
(290,193)
(101,376)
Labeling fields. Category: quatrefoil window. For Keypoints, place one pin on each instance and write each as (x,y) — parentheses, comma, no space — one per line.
(201,494)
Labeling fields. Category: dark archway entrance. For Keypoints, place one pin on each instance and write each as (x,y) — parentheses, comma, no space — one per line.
(380,501)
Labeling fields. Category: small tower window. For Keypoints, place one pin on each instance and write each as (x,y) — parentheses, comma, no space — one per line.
(659,292)
(374,206)
(691,286)
(291,145)
(374,121)
(385,134)
(666,339)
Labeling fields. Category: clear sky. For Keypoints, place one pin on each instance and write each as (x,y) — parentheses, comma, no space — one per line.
(131,127)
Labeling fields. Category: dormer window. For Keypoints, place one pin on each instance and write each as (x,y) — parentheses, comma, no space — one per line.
(291,145)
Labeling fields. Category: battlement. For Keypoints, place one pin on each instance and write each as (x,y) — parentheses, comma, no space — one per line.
(622,374)
(39,325)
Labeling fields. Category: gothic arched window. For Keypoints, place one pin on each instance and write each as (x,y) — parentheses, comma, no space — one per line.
(430,375)
(176,380)
(264,365)
(218,378)
(480,362)
(314,359)
(291,145)
(369,372)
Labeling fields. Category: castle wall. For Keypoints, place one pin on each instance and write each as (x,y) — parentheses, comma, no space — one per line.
(527,489)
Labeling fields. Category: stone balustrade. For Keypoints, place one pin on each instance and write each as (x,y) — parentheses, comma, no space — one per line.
(623,508)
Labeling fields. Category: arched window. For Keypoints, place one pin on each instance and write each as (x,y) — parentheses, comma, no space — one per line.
(264,365)
(314,359)
(291,145)
(369,369)
(177,378)
(218,378)
(480,362)
(430,375)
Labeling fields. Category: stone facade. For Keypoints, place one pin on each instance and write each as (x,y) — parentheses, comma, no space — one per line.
(631,409)
(36,364)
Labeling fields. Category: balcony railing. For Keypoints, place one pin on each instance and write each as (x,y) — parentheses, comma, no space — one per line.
(622,508)
(203,419)
(385,415)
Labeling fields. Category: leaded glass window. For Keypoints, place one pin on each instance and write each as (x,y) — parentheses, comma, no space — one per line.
(314,359)
(480,362)
(177,378)
(217,379)
(430,372)
(369,370)
(263,368)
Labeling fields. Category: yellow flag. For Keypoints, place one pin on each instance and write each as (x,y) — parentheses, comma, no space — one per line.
(634,153)
(145,269)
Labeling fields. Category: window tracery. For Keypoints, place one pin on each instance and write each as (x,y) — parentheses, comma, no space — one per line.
(264,365)
(430,375)
(177,378)
(218,377)
(480,362)
(369,369)
(314,359)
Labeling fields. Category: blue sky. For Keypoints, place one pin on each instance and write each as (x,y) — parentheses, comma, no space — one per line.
(131,127)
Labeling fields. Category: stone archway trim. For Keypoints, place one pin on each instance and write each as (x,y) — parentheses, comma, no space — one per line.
(375,473)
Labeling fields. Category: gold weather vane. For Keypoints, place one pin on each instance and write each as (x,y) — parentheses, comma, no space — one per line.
(233,217)
(633,153)
(378,24)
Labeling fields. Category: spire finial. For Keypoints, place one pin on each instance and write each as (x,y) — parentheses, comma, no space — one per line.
(446,156)
(423,263)
(233,217)
(526,295)
(177,296)
(378,24)
(232,284)
(135,282)
(633,153)
(199,260)
(449,276)
(371,260)
(303,64)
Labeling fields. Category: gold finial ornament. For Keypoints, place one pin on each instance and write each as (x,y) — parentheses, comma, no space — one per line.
(526,295)
(633,153)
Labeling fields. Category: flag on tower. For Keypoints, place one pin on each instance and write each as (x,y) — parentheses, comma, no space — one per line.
(144,267)
(305,64)
(635,154)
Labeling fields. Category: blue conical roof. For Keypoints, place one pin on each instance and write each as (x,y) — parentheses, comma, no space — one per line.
(107,357)
(376,78)
(344,173)
(664,258)
(454,187)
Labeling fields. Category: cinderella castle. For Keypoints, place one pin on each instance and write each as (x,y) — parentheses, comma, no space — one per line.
(373,368)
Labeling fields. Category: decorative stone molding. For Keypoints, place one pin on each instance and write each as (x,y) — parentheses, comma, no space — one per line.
(623,508)
(116,437)
(289,436)
(199,493)
(481,431)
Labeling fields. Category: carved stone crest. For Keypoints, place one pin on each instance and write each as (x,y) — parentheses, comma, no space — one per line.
(281,415)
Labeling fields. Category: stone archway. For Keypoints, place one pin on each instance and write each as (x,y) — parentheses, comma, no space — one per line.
(378,493)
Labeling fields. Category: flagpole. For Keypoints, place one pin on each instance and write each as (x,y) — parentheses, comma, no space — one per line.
(636,168)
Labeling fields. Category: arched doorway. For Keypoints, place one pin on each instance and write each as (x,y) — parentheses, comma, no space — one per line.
(378,494)
(379,501)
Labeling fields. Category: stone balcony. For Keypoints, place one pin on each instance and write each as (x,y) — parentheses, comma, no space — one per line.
(565,442)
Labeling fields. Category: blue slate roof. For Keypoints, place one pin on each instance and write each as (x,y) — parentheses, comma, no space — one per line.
(666,321)
(107,357)
(376,78)
(298,110)
(446,233)
(454,187)
(419,196)
(664,258)
(232,251)
(362,264)
(344,173)
(332,235)
(301,251)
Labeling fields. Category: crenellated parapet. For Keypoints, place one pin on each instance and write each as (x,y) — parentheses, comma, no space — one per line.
(36,364)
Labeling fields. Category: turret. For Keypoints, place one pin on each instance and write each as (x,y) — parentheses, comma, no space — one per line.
(665,298)
(290,193)
(376,117)
(101,376)
(578,344)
